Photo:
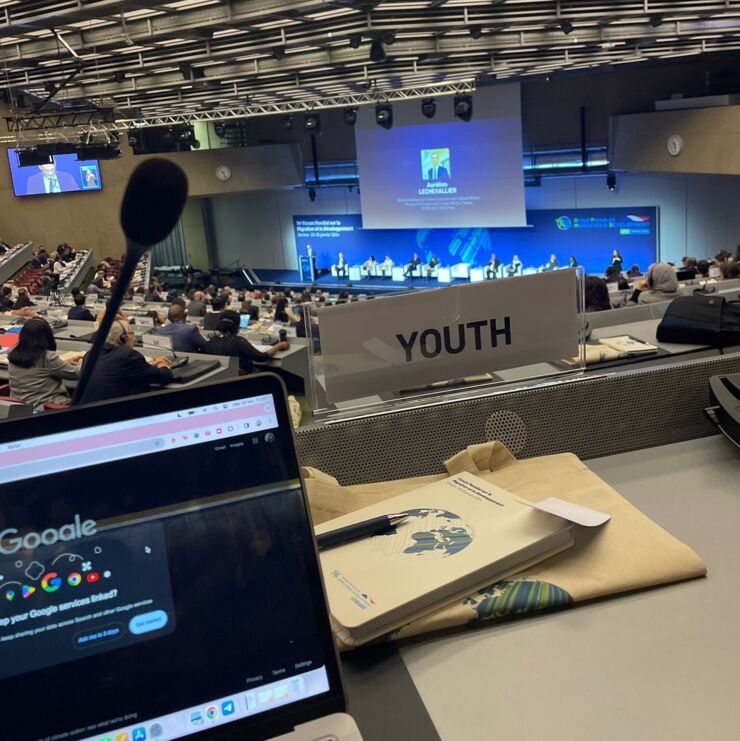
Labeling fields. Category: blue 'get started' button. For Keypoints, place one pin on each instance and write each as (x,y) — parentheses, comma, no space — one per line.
(148,622)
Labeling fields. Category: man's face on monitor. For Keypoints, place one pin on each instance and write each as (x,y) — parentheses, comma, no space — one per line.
(49,170)
(435,160)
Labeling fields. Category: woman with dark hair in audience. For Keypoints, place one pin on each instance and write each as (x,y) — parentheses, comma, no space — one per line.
(617,260)
(226,341)
(614,275)
(35,370)
(6,299)
(23,299)
(597,294)
(281,311)
(702,269)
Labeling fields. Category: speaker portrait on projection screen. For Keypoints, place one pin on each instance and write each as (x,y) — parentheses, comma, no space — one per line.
(435,164)
(50,180)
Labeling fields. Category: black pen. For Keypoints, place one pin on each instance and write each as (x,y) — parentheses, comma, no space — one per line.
(358,530)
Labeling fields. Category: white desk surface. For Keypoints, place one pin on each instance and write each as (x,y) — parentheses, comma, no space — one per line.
(656,665)
(645,330)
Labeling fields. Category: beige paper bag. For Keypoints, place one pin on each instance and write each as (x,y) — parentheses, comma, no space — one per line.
(630,552)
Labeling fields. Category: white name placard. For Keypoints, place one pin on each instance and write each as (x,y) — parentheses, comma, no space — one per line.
(370,347)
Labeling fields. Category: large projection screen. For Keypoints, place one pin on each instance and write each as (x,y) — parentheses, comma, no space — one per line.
(443,172)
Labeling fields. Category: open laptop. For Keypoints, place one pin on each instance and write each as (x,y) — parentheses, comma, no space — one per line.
(159,577)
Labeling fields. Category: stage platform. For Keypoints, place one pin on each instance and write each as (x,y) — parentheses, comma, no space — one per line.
(292,278)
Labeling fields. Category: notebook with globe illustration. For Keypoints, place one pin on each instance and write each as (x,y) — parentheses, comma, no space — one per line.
(459,534)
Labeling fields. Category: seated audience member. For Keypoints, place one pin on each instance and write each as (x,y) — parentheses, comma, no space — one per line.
(340,267)
(614,275)
(306,297)
(79,311)
(35,262)
(597,294)
(152,293)
(211,319)
(288,294)
(99,280)
(93,289)
(226,341)
(6,299)
(702,269)
(197,306)
(57,264)
(43,256)
(35,370)
(281,311)
(121,371)
(634,272)
(179,301)
(23,299)
(660,284)
(343,297)
(730,270)
(185,337)
(156,319)
(171,295)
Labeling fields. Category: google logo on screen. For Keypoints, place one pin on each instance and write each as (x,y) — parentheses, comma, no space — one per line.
(51,582)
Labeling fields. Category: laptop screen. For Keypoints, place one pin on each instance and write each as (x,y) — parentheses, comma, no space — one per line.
(244,321)
(158,575)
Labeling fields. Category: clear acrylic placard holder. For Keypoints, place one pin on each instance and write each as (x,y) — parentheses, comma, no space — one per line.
(326,367)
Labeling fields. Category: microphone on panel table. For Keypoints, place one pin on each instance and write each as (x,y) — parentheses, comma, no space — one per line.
(152,205)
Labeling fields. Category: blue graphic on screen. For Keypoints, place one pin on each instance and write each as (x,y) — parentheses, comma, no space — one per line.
(588,235)
(65,174)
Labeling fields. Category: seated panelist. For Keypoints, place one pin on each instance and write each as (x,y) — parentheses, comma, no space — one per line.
(370,266)
(515,267)
(386,267)
(433,262)
(412,265)
(492,266)
(340,267)
(551,264)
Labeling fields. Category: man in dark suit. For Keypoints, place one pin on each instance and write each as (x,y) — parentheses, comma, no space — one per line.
(185,337)
(79,311)
(121,371)
(436,172)
(412,266)
(341,266)
(492,267)
(49,180)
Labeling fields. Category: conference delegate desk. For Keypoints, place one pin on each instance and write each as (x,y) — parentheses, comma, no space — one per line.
(652,665)
(228,367)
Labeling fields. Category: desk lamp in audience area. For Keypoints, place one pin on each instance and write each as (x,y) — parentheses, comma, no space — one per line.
(152,204)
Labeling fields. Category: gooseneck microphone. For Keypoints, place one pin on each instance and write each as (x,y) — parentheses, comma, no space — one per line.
(152,204)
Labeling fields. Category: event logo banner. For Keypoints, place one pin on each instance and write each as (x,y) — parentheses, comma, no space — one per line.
(408,341)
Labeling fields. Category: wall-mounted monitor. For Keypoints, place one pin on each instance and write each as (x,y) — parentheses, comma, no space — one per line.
(65,174)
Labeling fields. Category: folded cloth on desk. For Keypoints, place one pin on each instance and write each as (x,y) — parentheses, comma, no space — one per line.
(631,552)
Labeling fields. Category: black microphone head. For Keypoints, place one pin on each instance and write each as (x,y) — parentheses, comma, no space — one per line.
(153,201)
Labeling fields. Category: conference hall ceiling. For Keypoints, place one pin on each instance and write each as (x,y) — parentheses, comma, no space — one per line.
(145,57)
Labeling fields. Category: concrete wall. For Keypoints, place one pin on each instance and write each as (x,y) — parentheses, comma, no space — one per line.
(699,214)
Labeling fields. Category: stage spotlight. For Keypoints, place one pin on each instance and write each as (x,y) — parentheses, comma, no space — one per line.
(377,52)
(475,32)
(355,40)
(312,123)
(169,135)
(114,138)
(384,116)
(134,139)
(611,181)
(388,38)
(428,107)
(278,53)
(566,27)
(220,129)
(656,20)
(350,116)
(287,122)
(312,194)
(463,107)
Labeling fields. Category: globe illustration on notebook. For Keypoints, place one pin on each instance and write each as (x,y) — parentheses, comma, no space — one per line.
(427,534)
